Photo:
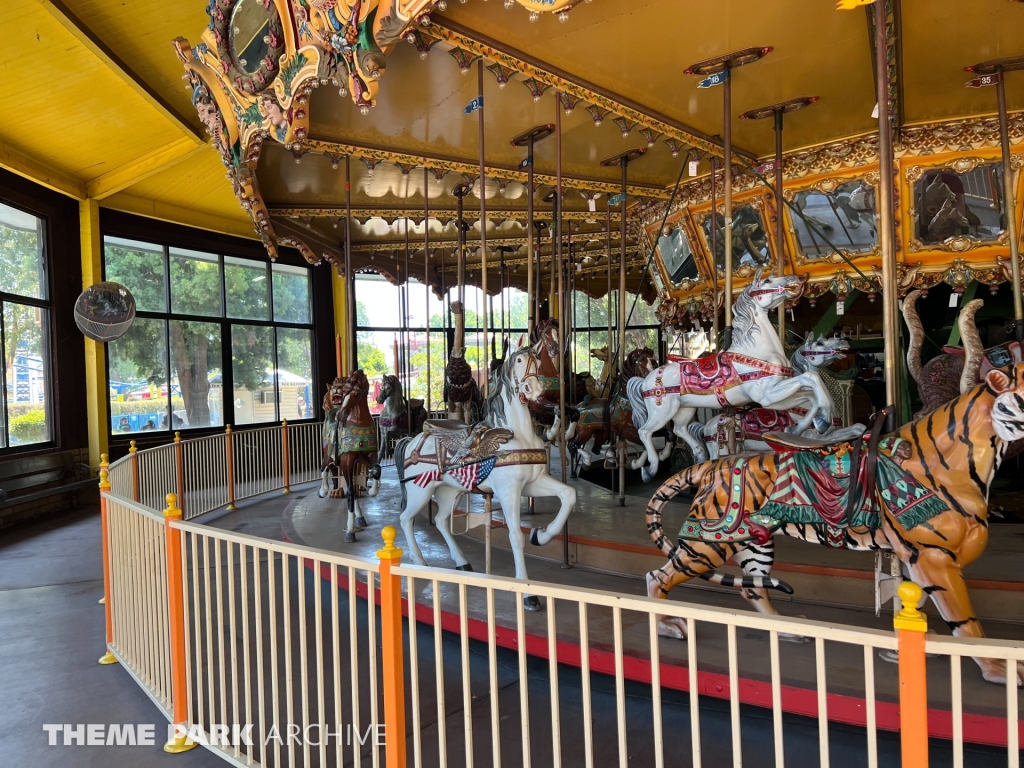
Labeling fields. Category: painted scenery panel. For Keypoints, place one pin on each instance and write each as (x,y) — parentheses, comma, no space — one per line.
(677,255)
(749,240)
(845,217)
(952,204)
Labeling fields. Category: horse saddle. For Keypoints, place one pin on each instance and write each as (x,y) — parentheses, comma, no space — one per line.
(781,442)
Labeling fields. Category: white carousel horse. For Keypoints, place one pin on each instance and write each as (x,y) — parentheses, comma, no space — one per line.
(446,463)
(754,370)
(756,422)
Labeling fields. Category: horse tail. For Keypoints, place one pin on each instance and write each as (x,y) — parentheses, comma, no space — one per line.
(746,582)
(400,466)
(678,483)
(635,391)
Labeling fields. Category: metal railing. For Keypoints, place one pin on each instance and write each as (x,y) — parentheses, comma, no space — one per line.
(227,630)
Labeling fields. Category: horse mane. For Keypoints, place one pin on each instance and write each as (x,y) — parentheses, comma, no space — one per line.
(798,361)
(744,315)
(497,397)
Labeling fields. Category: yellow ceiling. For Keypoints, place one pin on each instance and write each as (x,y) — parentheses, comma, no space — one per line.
(94,103)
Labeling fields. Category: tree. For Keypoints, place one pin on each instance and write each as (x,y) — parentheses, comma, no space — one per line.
(369,357)
(196,346)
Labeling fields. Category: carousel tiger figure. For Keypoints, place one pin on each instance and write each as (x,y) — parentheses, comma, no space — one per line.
(926,499)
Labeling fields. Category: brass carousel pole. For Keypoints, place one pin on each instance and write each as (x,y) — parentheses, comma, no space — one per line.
(995,71)
(350,283)
(561,315)
(776,111)
(714,252)
(406,362)
(718,71)
(886,213)
(483,219)
(623,159)
(528,140)
(426,268)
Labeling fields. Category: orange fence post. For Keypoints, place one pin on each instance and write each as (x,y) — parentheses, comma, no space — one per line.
(392,651)
(176,611)
(108,657)
(285,458)
(911,626)
(179,460)
(229,452)
(134,451)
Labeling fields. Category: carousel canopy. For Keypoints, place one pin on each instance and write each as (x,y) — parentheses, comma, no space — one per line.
(102,111)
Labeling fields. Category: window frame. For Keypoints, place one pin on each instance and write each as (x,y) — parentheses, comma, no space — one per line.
(45,303)
(225,324)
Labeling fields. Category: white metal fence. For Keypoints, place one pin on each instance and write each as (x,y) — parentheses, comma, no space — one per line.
(278,635)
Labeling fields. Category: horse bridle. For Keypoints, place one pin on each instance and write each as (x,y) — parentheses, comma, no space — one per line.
(532,371)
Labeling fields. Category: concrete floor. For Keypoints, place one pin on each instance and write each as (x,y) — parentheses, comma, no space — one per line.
(51,633)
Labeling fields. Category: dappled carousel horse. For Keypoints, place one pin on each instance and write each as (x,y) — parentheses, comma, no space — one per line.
(753,423)
(350,467)
(394,419)
(921,492)
(502,455)
(598,423)
(754,370)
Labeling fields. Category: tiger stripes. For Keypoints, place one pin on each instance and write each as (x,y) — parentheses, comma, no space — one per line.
(953,451)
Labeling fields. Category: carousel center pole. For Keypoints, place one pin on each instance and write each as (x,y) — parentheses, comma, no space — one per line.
(886,213)
(718,71)
(406,312)
(483,219)
(528,140)
(350,283)
(562,458)
(426,269)
(622,160)
(996,70)
(776,111)
(714,252)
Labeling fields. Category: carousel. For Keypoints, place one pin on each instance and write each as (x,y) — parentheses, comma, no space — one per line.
(644,268)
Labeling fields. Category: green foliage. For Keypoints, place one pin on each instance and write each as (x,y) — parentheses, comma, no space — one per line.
(196,347)
(30,427)
(132,407)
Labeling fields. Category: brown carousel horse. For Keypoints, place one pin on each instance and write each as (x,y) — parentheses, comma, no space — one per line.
(350,467)
(921,492)
(600,423)
(546,408)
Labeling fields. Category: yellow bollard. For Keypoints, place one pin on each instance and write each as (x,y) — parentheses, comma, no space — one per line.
(392,652)
(911,626)
(108,657)
(176,611)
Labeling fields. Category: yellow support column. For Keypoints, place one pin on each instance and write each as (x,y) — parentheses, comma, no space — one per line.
(96,397)
(341,333)
(392,650)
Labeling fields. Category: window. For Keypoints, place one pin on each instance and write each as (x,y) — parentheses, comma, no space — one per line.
(590,335)
(380,341)
(24,320)
(203,350)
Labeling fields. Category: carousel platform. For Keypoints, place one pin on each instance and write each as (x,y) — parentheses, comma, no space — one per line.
(608,550)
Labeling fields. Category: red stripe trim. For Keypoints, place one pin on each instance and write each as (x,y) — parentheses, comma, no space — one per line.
(977,729)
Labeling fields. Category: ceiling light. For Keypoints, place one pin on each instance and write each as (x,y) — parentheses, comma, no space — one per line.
(563,16)
(534,16)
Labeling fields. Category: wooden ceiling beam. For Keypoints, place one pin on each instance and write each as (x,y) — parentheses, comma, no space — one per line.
(51,178)
(142,168)
(113,62)
(155,209)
